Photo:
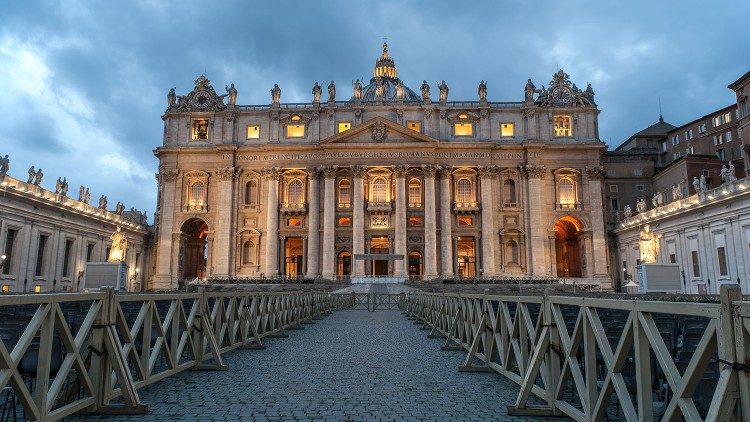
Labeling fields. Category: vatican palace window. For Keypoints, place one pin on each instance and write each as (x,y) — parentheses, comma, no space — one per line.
(563,128)
(295,192)
(463,127)
(509,193)
(414,125)
(379,190)
(566,193)
(345,199)
(248,251)
(344,126)
(296,129)
(506,129)
(197,196)
(253,132)
(415,193)
(200,129)
(464,192)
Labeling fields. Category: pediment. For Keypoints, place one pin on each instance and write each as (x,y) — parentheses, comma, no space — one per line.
(379,130)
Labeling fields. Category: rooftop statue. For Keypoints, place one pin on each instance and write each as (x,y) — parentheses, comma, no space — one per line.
(529,91)
(425,91)
(704,184)
(627,211)
(317,91)
(4,166)
(64,187)
(482,91)
(276,95)
(357,87)
(724,174)
(658,199)
(400,90)
(58,186)
(380,88)
(732,173)
(676,192)
(697,184)
(119,246)
(38,177)
(32,175)
(232,94)
(81,193)
(87,196)
(640,205)
(443,91)
(331,92)
(648,245)
(171,98)
(103,202)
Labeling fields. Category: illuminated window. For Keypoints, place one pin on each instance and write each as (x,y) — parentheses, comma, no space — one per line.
(296,129)
(200,129)
(566,192)
(414,125)
(465,221)
(251,193)
(415,221)
(248,252)
(37,288)
(6,288)
(415,193)
(464,191)
(463,129)
(506,129)
(562,126)
(345,193)
(294,222)
(197,195)
(379,190)
(253,132)
(344,126)
(345,221)
(296,192)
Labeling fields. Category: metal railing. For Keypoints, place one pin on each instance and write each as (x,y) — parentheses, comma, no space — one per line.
(593,359)
(65,353)
(372,301)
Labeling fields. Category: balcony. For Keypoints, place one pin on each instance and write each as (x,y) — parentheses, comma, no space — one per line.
(293,209)
(569,206)
(465,207)
(379,206)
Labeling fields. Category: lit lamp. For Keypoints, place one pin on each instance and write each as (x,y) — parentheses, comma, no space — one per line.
(135,276)
(630,286)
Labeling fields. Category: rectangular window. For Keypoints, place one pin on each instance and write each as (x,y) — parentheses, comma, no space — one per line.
(742,109)
(720,154)
(295,131)
(716,121)
(344,126)
(10,243)
(506,129)
(637,172)
(639,188)
(415,221)
(67,258)
(727,117)
(696,263)
(345,221)
(689,134)
(465,221)
(200,129)
(89,252)
(463,129)
(728,136)
(253,132)
(615,204)
(722,257)
(702,128)
(563,126)
(41,247)
(414,125)
(675,139)
(663,147)
(613,188)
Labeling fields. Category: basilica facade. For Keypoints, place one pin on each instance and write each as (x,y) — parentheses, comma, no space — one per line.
(388,182)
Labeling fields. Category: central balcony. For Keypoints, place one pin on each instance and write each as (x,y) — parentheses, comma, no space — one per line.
(466,207)
(293,209)
(379,206)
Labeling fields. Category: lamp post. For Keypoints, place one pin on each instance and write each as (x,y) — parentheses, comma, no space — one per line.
(2,261)
(629,284)
(134,277)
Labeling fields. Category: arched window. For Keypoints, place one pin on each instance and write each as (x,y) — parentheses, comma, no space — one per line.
(251,193)
(415,193)
(511,252)
(463,191)
(248,252)
(566,192)
(295,192)
(197,197)
(509,192)
(379,190)
(345,197)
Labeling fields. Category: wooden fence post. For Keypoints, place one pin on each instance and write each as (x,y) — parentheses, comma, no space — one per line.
(726,408)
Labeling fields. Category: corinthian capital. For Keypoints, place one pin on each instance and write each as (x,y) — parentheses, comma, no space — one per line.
(226,173)
(330,172)
(533,171)
(400,171)
(271,173)
(595,172)
(169,175)
(445,172)
(359,171)
(488,172)
(429,170)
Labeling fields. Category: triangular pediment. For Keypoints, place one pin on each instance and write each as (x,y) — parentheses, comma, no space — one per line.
(379,130)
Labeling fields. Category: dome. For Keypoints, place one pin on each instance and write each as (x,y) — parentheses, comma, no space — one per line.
(385,77)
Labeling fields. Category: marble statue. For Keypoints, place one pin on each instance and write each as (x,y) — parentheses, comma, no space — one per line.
(81,193)
(425,91)
(4,166)
(119,246)
(103,202)
(589,93)
(38,177)
(32,175)
(627,211)
(316,92)
(648,245)
(331,92)
(58,186)
(482,91)
(697,184)
(276,95)
(703,183)
(64,187)
(724,174)
(379,88)
(443,87)
(676,192)
(119,208)
(640,206)
(732,173)
(232,94)
(171,98)
(87,196)
(658,199)
(357,87)
(528,91)
(400,91)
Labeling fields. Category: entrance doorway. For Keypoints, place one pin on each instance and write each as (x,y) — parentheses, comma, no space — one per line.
(466,256)
(415,265)
(344,264)
(293,257)
(568,238)
(193,254)
(379,245)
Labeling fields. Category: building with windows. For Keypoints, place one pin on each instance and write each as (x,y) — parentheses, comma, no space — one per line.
(713,134)
(386,183)
(741,88)
(46,239)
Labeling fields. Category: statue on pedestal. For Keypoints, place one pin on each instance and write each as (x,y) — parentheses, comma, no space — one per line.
(38,177)
(81,193)
(627,211)
(87,196)
(648,244)
(425,91)
(171,98)
(357,87)
(703,183)
(316,92)
(64,187)
(119,208)
(331,92)
(119,246)
(232,94)
(482,91)
(640,205)
(103,202)
(400,91)
(732,173)
(676,192)
(443,87)
(658,199)
(4,166)
(528,91)
(697,184)
(724,174)
(32,175)
(276,95)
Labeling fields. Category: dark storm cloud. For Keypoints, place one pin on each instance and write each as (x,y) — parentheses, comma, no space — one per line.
(100,71)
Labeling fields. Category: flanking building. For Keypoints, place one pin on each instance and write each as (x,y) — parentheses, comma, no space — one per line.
(388,182)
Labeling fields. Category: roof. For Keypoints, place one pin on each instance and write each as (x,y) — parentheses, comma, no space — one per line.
(719,111)
(736,84)
(659,128)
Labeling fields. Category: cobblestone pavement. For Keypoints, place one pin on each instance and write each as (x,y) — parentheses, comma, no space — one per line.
(352,365)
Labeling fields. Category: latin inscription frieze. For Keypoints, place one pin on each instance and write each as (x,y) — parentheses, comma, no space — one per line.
(305,156)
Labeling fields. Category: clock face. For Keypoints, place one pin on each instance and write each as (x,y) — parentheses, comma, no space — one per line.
(561,95)
(201,99)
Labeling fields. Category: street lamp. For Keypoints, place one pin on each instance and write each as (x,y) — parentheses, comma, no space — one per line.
(134,277)
(2,261)
(627,276)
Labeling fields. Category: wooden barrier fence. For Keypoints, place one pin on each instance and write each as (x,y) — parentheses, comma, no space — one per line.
(593,359)
(65,353)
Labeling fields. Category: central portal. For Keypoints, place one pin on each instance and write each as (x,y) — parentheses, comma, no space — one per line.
(380,245)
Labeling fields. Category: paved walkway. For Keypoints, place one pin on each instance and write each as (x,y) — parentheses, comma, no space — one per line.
(352,365)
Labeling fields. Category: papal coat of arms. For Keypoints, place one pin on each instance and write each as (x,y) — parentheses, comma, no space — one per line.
(378,131)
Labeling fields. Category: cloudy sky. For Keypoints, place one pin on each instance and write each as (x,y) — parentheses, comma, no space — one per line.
(84,83)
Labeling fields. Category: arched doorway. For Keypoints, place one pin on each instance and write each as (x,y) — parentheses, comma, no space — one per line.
(344,264)
(568,238)
(193,249)
(415,265)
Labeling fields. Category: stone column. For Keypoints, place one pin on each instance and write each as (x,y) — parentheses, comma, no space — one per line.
(272,222)
(223,226)
(430,224)
(399,269)
(358,220)
(598,230)
(487,175)
(305,254)
(166,275)
(313,225)
(587,238)
(537,228)
(446,237)
(329,213)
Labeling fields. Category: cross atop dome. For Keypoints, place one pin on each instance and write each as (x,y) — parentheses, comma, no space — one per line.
(385,67)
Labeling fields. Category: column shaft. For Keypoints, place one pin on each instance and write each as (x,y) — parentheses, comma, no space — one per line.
(313,226)
(399,269)
(488,224)
(329,213)
(446,238)
(166,275)
(430,226)
(539,259)
(272,224)
(222,230)
(358,223)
